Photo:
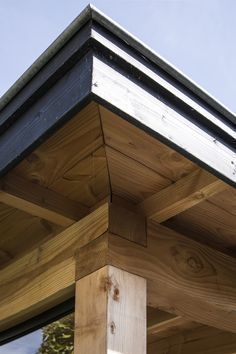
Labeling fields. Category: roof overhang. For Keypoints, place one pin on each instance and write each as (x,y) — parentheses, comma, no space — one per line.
(94,59)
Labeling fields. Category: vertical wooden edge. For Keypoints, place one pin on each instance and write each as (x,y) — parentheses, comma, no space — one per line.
(110,313)
(127,224)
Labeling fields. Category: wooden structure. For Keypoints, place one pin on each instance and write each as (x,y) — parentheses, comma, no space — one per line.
(118,183)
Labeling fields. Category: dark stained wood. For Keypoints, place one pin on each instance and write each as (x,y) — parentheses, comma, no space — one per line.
(55,107)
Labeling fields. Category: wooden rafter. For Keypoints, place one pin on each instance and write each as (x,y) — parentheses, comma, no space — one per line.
(181,195)
(45,276)
(183,276)
(169,327)
(39,201)
(198,341)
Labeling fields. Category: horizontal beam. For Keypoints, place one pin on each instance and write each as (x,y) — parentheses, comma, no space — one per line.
(184,277)
(147,110)
(181,195)
(198,341)
(39,201)
(169,328)
(45,276)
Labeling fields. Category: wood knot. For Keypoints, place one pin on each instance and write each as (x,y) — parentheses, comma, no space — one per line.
(195,264)
(116,294)
(113,327)
(107,284)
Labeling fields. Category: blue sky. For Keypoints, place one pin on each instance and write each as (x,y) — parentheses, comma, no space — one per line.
(25,345)
(197,36)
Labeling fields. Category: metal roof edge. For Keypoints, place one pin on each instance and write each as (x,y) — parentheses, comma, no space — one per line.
(91,12)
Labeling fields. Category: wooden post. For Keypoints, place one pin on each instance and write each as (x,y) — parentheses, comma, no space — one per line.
(110,313)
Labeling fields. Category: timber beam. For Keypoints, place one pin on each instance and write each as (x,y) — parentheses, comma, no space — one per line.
(197,341)
(183,277)
(181,195)
(39,201)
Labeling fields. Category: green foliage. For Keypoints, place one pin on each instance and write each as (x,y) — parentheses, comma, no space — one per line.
(58,337)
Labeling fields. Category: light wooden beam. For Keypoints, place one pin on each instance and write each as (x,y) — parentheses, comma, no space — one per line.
(202,340)
(181,195)
(110,313)
(184,277)
(169,327)
(46,276)
(39,201)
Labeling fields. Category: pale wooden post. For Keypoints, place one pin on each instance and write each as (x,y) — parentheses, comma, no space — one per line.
(110,313)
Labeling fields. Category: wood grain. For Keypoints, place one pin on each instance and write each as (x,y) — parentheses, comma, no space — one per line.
(39,201)
(72,162)
(110,313)
(169,327)
(138,145)
(46,275)
(20,232)
(182,195)
(203,340)
(131,180)
(184,277)
(209,224)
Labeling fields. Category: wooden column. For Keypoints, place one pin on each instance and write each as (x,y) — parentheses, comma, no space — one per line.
(110,313)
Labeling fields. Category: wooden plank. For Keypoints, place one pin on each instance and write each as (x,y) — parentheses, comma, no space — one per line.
(127,224)
(39,201)
(182,195)
(209,224)
(191,105)
(75,141)
(140,146)
(130,179)
(29,233)
(169,328)
(46,275)
(110,313)
(162,121)
(203,340)
(184,277)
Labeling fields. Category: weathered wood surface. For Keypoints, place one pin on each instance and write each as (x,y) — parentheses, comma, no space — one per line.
(110,313)
(72,162)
